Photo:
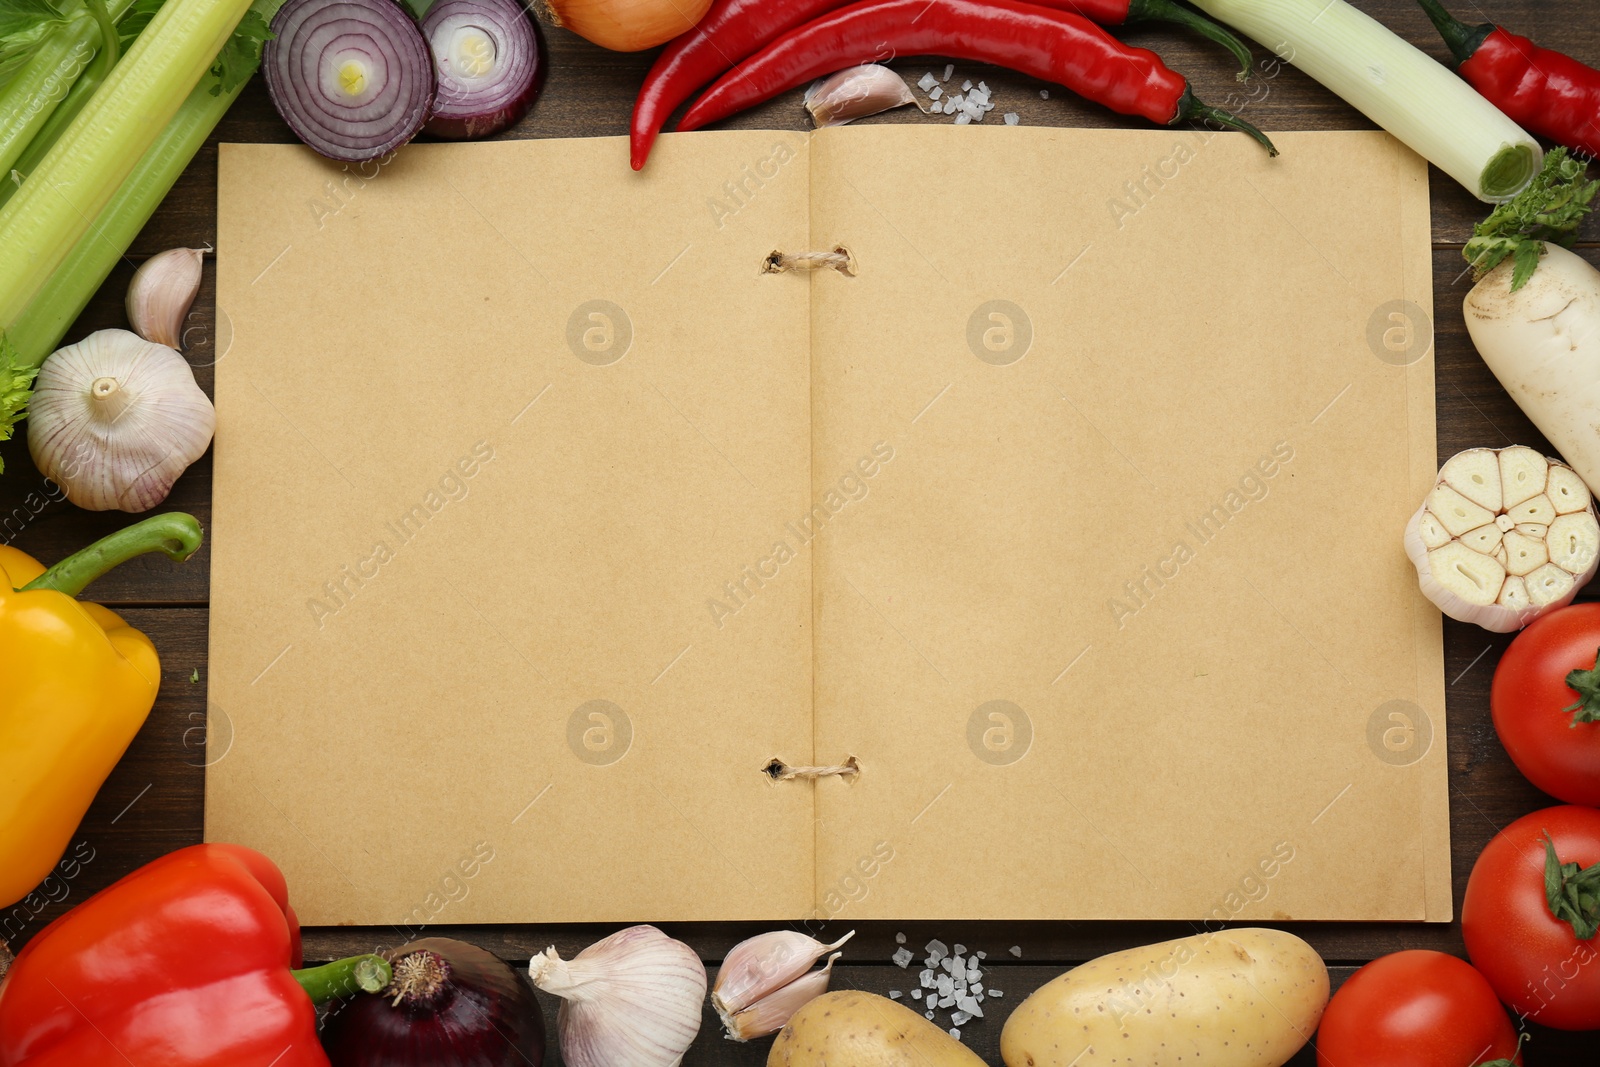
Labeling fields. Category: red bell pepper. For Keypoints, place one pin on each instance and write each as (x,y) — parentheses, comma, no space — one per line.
(183,963)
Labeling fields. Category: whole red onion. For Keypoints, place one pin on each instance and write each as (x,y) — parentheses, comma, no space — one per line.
(450,1004)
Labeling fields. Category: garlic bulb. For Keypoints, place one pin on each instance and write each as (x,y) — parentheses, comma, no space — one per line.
(854,93)
(115,419)
(767,978)
(631,999)
(1505,536)
(161,293)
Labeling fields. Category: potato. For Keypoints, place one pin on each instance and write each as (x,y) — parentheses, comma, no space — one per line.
(856,1029)
(1235,998)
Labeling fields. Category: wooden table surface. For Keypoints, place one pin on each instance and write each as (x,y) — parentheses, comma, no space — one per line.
(153,803)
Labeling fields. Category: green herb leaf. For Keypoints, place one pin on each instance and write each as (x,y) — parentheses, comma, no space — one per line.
(1550,210)
(24,25)
(135,19)
(15,389)
(241,56)
(194,676)
(1586,683)
(1573,894)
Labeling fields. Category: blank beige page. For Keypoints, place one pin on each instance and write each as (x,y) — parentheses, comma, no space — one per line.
(1115,435)
(496,426)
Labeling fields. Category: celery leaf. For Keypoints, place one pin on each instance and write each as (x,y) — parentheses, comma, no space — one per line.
(241,56)
(135,19)
(15,389)
(24,26)
(1550,210)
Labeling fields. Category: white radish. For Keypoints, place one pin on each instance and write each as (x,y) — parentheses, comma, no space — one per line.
(1543,343)
(1503,565)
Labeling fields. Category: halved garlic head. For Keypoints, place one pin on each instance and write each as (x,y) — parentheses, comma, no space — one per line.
(1505,536)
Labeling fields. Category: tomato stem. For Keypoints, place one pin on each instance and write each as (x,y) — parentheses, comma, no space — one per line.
(1586,683)
(1573,894)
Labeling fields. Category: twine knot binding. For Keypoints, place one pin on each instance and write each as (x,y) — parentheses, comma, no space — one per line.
(780,771)
(839,259)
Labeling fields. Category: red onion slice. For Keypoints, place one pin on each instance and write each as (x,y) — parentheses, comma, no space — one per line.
(352,78)
(490,63)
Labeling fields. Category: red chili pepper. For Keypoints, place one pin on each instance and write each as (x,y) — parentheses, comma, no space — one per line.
(183,963)
(1547,92)
(1055,46)
(732,30)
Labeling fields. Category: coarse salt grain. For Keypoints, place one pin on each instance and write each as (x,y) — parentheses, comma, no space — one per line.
(895,994)
(927,81)
(948,70)
(1044,94)
(960,1018)
(935,93)
(902,958)
(1016,950)
(963,119)
(965,86)
(1012,118)
(916,994)
(955,1033)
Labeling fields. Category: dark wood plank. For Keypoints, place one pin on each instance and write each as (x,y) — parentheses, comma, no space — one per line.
(153,803)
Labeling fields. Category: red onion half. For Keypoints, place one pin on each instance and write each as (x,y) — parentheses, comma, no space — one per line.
(450,1004)
(490,63)
(352,78)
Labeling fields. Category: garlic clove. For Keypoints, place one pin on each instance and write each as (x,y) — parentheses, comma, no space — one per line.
(1522,474)
(773,1011)
(1455,512)
(115,419)
(1550,586)
(1524,555)
(632,998)
(762,964)
(1537,509)
(854,93)
(1566,491)
(161,293)
(1502,570)
(1475,474)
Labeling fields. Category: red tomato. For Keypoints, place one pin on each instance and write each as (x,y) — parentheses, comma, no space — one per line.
(1530,697)
(1415,1009)
(1534,961)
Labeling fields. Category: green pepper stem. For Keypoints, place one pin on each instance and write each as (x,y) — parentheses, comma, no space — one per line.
(176,534)
(1168,11)
(343,978)
(1462,40)
(1190,108)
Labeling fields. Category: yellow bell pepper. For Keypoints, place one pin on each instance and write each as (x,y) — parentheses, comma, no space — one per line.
(76,683)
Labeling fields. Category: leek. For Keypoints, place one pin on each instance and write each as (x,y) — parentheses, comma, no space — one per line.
(39,329)
(53,210)
(1418,100)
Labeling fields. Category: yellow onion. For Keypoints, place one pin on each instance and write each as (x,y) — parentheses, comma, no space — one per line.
(626,25)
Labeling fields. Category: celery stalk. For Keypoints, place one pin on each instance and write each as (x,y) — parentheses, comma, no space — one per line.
(56,206)
(39,329)
(32,96)
(106,14)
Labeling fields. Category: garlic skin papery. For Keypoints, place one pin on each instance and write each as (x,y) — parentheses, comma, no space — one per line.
(767,978)
(161,293)
(630,999)
(1505,536)
(854,93)
(115,419)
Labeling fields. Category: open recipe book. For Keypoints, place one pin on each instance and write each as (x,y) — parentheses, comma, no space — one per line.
(550,531)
